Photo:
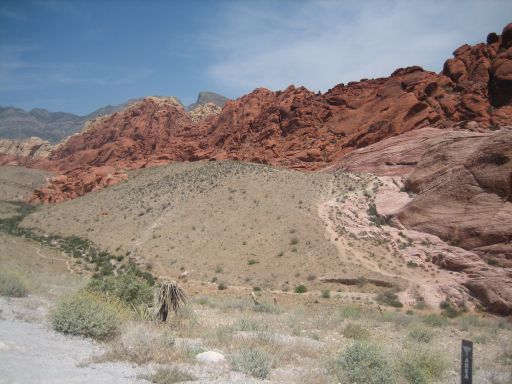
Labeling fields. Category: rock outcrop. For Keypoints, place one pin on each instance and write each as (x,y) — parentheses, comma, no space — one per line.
(460,187)
(13,151)
(464,194)
(297,128)
(207,98)
(202,111)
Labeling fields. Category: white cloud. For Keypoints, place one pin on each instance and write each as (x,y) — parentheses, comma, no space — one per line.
(321,43)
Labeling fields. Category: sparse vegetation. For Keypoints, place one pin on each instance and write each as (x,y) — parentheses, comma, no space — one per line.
(374,217)
(11,285)
(355,331)
(389,298)
(294,240)
(448,309)
(87,314)
(167,376)
(300,289)
(253,361)
(222,286)
(422,366)
(421,334)
(127,287)
(365,363)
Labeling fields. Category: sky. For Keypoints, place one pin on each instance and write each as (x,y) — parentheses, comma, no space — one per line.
(77,56)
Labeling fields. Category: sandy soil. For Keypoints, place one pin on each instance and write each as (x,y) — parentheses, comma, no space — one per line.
(32,353)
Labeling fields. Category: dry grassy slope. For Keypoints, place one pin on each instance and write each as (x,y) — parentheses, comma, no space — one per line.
(18,182)
(210,219)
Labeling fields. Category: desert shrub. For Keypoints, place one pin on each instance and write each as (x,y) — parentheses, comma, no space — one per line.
(167,376)
(421,334)
(389,298)
(11,285)
(300,289)
(363,363)
(127,287)
(191,349)
(374,217)
(252,261)
(355,331)
(326,294)
(250,325)
(351,311)
(448,309)
(422,367)
(168,339)
(222,286)
(471,321)
(435,320)
(253,361)
(266,307)
(294,240)
(87,314)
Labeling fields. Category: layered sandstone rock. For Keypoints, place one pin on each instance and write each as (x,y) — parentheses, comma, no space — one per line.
(464,194)
(300,129)
(12,151)
(459,185)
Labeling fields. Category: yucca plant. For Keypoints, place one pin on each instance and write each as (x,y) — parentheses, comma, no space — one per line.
(170,296)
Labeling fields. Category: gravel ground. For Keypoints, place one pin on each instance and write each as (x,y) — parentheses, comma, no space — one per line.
(30,352)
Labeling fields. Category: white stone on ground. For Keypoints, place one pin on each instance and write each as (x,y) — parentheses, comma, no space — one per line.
(210,357)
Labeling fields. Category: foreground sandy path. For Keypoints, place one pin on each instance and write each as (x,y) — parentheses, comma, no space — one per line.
(32,353)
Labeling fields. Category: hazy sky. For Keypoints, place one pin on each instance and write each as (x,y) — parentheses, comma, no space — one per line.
(76,56)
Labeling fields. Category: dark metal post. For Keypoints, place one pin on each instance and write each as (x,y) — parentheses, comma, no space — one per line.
(466,362)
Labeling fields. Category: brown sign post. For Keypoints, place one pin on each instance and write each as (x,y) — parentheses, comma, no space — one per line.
(466,362)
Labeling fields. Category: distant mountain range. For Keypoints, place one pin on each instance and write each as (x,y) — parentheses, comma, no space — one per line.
(18,124)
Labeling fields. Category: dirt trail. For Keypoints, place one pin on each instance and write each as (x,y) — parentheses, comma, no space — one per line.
(405,247)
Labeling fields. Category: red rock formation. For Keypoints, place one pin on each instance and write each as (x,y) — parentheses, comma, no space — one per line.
(297,128)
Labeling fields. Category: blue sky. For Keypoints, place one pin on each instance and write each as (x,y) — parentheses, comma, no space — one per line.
(76,56)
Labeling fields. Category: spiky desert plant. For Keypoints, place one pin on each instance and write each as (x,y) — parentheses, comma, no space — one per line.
(170,296)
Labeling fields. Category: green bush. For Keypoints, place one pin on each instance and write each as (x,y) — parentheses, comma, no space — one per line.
(421,334)
(422,367)
(222,286)
(11,285)
(126,287)
(389,298)
(300,289)
(326,294)
(448,309)
(363,363)
(355,331)
(87,314)
(253,361)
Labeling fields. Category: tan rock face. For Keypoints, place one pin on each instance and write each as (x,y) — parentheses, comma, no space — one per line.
(12,150)
(464,194)
(460,185)
(203,111)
